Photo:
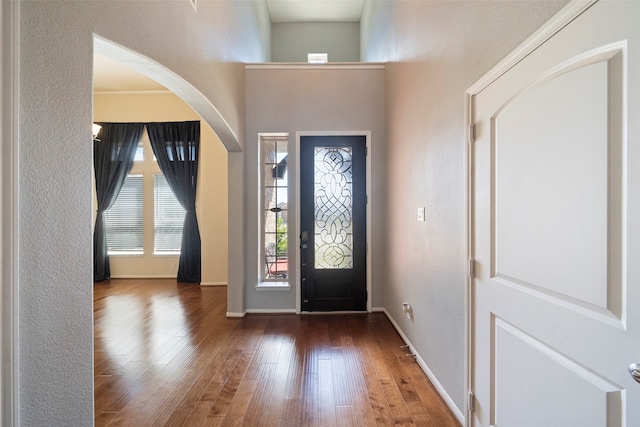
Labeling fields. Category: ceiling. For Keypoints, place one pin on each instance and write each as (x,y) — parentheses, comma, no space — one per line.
(110,75)
(113,76)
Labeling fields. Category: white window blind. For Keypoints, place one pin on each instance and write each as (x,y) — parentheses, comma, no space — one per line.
(168,218)
(124,220)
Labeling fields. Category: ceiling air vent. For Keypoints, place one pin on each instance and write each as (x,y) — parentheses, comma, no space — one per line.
(317,58)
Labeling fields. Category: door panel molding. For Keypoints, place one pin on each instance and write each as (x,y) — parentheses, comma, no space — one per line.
(513,347)
(295,225)
(595,74)
(565,16)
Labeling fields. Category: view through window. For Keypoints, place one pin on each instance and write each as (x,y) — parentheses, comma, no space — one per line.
(275,201)
(145,186)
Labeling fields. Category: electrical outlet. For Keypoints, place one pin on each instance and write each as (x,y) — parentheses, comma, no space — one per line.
(421,214)
(407,310)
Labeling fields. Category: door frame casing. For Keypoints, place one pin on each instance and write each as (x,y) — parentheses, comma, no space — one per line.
(295,230)
(9,214)
(560,20)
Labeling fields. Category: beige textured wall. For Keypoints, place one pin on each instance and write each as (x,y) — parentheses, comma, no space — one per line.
(206,49)
(435,51)
(211,201)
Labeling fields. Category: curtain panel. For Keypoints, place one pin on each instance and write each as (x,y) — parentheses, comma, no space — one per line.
(176,146)
(113,155)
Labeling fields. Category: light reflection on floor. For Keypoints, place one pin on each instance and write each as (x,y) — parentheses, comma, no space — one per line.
(152,329)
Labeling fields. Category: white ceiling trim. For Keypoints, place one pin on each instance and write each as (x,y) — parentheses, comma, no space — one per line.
(305,66)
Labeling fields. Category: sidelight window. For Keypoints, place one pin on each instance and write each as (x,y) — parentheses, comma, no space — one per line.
(275,199)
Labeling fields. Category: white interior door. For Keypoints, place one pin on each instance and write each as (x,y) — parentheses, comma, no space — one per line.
(555,230)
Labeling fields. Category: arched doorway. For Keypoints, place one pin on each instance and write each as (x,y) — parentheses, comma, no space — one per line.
(210,114)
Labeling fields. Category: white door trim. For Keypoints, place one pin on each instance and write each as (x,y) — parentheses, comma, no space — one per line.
(9,213)
(561,19)
(296,229)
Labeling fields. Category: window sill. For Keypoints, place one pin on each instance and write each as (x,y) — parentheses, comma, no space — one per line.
(273,286)
(126,254)
(141,254)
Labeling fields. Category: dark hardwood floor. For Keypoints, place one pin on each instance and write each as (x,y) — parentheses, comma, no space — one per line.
(166,355)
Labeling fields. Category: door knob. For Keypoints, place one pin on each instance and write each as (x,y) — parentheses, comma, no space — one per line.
(634,370)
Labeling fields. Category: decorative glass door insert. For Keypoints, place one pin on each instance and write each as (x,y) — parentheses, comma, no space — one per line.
(333,194)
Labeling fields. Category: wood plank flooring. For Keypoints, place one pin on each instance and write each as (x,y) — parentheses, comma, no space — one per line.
(166,355)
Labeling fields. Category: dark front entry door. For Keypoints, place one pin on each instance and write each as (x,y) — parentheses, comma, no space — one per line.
(333,223)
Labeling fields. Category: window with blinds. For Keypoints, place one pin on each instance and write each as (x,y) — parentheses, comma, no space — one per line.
(124,220)
(168,218)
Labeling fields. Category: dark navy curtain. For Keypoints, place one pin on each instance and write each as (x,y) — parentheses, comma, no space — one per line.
(113,156)
(176,146)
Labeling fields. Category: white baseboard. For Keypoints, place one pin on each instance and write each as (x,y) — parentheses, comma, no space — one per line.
(230,314)
(162,276)
(213,283)
(443,393)
(271,311)
(377,310)
(143,276)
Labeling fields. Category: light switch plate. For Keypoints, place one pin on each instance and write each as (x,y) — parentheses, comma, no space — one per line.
(421,214)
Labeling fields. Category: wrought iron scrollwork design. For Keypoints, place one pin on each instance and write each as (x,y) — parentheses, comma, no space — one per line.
(333,193)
